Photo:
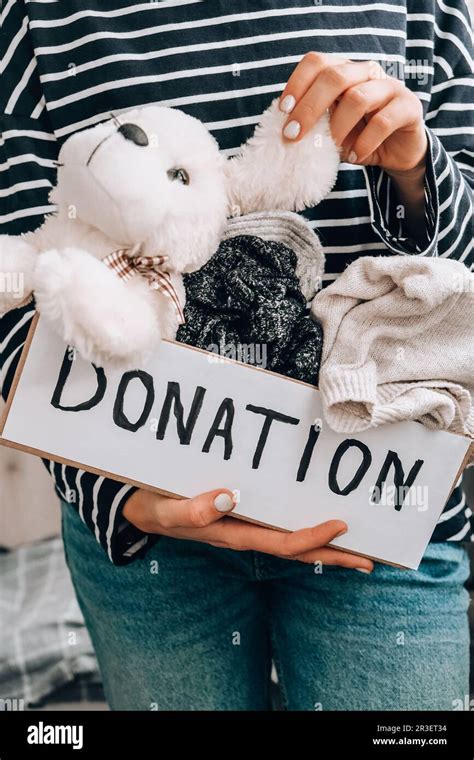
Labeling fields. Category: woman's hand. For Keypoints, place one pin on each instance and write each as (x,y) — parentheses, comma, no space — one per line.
(203,519)
(374,118)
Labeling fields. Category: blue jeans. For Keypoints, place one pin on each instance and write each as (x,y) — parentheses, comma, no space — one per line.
(196,627)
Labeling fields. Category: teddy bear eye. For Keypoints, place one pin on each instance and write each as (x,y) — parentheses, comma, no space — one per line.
(178,174)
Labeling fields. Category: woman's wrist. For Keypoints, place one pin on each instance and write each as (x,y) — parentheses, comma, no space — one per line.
(410,189)
(415,172)
(138,511)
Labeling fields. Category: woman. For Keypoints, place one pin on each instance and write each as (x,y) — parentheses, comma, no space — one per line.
(197,622)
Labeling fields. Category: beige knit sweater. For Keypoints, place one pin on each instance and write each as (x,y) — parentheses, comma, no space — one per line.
(398,344)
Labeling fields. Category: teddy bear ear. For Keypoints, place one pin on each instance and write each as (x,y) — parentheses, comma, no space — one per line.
(271,173)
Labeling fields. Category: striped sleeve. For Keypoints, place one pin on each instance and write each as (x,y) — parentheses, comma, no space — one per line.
(28,150)
(27,154)
(100,502)
(449,178)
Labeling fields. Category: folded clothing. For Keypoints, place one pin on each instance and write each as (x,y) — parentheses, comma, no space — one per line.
(292,230)
(398,338)
(248,296)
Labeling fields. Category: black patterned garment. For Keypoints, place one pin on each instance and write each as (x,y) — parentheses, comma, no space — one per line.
(67,65)
(247,299)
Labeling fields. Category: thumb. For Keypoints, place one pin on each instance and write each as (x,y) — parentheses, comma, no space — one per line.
(197,512)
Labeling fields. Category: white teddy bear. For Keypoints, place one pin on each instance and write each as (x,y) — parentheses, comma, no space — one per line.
(141,199)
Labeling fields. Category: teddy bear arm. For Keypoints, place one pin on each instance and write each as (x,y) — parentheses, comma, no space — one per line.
(270,174)
(108,320)
(17,264)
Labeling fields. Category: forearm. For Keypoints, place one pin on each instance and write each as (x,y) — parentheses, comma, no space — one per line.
(410,191)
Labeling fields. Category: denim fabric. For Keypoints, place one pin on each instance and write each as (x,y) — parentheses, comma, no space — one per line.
(196,627)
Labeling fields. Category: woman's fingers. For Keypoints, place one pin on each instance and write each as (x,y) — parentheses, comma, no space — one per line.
(374,118)
(329,84)
(346,149)
(198,512)
(328,556)
(246,536)
(303,77)
(357,102)
(153,513)
(200,519)
(308,545)
(401,112)
(292,544)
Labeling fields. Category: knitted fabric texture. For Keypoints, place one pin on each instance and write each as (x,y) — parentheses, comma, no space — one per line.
(248,295)
(293,231)
(398,338)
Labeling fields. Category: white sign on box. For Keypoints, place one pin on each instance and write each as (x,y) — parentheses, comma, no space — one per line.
(188,423)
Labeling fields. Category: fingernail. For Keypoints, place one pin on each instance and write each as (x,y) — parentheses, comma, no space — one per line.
(341,532)
(287,104)
(223,502)
(292,130)
(352,157)
(363,570)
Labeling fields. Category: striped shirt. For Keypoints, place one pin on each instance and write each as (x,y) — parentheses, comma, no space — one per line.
(66,66)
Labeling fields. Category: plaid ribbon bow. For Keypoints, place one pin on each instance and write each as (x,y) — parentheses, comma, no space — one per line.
(126,266)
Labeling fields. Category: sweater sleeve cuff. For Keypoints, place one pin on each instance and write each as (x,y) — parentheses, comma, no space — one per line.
(122,541)
(348,393)
(384,204)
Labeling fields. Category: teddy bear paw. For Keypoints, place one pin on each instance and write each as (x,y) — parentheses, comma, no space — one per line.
(108,343)
(52,279)
(17,262)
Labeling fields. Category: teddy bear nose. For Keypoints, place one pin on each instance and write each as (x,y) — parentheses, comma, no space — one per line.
(133,133)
